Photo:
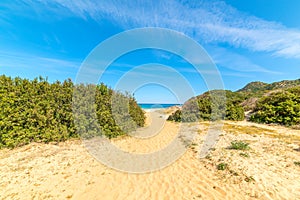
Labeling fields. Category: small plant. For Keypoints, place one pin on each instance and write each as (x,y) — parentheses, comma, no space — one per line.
(186,142)
(297,163)
(222,166)
(249,179)
(239,145)
(234,173)
(245,155)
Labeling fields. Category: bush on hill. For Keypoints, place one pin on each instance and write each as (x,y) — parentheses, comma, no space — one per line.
(281,108)
(213,105)
(277,102)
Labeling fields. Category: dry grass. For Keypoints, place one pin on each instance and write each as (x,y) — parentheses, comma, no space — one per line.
(250,130)
(256,131)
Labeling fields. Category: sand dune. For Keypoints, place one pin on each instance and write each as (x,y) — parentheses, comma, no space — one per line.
(68,171)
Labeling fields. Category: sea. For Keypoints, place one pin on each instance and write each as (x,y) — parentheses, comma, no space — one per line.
(156,106)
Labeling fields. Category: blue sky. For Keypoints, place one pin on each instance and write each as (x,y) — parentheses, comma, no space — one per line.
(247,40)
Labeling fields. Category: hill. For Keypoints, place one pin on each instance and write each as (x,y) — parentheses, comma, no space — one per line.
(257,88)
(212,105)
(276,102)
(254,87)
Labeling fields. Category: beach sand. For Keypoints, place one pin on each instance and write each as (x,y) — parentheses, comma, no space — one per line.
(67,170)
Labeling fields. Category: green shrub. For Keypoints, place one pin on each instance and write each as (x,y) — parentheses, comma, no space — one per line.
(244,155)
(281,108)
(235,113)
(176,116)
(222,166)
(239,145)
(43,112)
(212,105)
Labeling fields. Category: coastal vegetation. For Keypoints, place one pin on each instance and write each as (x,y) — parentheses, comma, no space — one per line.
(39,111)
(282,107)
(275,103)
(212,105)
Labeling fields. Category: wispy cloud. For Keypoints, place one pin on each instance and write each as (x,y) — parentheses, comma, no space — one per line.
(207,21)
(233,61)
(21,61)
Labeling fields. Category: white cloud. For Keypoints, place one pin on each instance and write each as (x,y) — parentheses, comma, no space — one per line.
(225,58)
(21,60)
(207,21)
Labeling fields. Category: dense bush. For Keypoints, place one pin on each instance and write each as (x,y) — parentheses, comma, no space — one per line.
(281,107)
(176,116)
(234,112)
(213,105)
(277,102)
(41,111)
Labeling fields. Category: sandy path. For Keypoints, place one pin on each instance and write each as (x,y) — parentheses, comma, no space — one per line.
(68,171)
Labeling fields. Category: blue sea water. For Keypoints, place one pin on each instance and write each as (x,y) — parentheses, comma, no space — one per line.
(155,106)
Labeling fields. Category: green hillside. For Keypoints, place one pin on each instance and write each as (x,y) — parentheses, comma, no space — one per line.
(278,103)
(212,105)
(282,107)
(257,89)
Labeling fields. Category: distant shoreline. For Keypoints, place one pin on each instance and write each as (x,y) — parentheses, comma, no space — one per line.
(156,106)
